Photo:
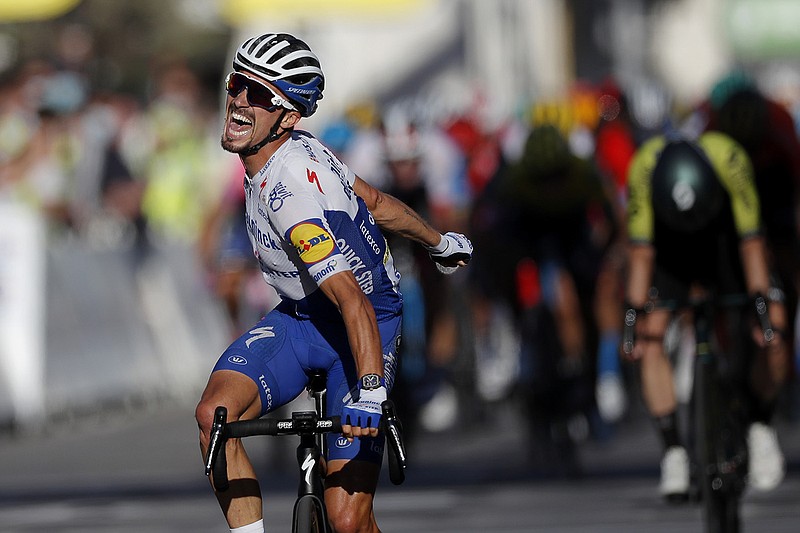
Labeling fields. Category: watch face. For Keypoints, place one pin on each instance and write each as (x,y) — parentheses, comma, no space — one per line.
(370,381)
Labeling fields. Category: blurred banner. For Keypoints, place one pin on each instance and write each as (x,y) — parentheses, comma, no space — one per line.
(764,28)
(22,10)
(238,12)
(22,281)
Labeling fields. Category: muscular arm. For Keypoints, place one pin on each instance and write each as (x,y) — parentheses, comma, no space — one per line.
(362,332)
(359,321)
(754,262)
(393,215)
(640,273)
(753,252)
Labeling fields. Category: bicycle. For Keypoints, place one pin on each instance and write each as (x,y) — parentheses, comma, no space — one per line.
(718,403)
(309,514)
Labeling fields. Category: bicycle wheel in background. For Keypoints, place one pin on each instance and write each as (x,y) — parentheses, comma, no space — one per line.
(720,455)
(309,516)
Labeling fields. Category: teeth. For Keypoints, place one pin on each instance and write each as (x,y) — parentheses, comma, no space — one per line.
(241,118)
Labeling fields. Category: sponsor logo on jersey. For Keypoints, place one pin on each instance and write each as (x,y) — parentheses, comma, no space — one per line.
(329,268)
(312,242)
(267,392)
(362,274)
(262,240)
(292,274)
(369,238)
(309,150)
(312,178)
(258,334)
(277,195)
(376,448)
(237,360)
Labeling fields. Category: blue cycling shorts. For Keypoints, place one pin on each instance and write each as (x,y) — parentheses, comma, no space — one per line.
(278,351)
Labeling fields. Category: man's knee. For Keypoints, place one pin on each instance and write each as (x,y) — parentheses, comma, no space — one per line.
(204,415)
(350,520)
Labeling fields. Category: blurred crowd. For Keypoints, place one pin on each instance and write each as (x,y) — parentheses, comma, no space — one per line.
(533,324)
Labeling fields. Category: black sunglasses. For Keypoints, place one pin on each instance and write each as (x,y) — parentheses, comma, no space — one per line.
(258,94)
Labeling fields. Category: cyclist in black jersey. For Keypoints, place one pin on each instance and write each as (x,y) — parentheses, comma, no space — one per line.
(694,221)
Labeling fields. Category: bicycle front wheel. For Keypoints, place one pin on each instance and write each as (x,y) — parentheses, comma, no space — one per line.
(715,456)
(310,516)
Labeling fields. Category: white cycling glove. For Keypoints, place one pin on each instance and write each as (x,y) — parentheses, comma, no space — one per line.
(453,247)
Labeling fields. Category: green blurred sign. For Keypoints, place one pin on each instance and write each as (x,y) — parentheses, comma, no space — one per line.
(760,28)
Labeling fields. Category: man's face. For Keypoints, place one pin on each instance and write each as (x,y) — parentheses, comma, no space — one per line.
(252,107)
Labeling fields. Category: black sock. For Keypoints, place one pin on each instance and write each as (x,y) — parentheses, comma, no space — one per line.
(668,427)
(761,411)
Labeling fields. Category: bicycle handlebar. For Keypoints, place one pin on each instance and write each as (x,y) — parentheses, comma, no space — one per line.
(301,423)
(759,305)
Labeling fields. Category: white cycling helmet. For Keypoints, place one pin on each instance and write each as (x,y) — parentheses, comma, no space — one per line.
(288,63)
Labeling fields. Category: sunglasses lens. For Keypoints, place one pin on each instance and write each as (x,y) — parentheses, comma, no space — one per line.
(235,84)
(257,94)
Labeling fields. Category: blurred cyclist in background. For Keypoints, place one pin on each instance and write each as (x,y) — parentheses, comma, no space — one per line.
(766,131)
(317,232)
(556,223)
(227,256)
(694,220)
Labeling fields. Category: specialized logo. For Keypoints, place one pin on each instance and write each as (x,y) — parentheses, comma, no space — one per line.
(237,360)
(312,242)
(308,466)
(258,334)
(312,178)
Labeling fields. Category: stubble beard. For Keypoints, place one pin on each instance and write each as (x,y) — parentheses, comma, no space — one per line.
(232,146)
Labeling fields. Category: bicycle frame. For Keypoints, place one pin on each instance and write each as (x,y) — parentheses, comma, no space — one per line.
(718,400)
(310,513)
(719,422)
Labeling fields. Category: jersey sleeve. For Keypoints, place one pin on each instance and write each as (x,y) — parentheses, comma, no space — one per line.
(299,217)
(735,170)
(640,207)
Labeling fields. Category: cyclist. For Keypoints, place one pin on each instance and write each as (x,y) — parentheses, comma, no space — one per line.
(693,220)
(316,230)
(552,224)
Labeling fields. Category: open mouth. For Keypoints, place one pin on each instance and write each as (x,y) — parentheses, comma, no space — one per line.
(238,125)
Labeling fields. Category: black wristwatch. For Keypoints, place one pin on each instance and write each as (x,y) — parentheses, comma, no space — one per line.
(371,382)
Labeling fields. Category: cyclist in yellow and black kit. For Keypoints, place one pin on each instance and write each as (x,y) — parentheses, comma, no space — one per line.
(694,222)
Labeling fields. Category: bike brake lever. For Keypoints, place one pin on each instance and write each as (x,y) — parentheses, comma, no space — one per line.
(215,438)
(762,313)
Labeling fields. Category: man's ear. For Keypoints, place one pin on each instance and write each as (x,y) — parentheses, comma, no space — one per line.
(290,119)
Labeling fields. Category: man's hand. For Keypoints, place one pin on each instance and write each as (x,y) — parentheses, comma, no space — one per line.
(361,417)
(453,251)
